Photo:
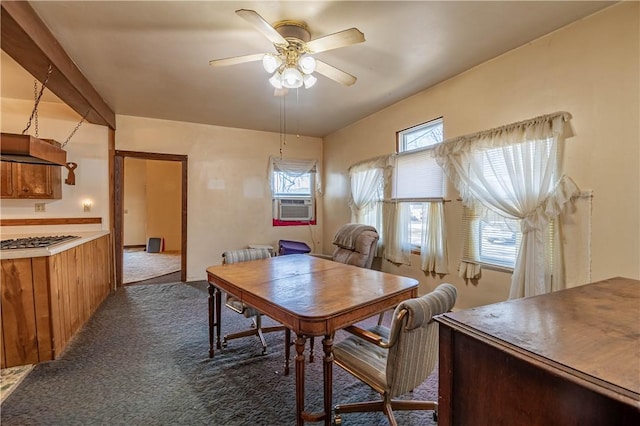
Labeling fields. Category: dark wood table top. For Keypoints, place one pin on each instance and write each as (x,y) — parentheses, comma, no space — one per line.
(311,295)
(591,331)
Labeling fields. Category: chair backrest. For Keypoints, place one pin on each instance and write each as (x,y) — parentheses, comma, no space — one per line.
(414,354)
(355,244)
(244,255)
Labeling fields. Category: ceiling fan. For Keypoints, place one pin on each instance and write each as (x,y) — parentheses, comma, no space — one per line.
(293,64)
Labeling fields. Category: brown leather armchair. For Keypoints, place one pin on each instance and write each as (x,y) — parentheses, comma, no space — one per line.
(356,245)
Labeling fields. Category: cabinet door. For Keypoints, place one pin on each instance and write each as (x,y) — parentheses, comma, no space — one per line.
(37,181)
(34,181)
(18,313)
(6,180)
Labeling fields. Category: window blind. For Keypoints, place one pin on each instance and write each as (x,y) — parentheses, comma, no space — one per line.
(417,175)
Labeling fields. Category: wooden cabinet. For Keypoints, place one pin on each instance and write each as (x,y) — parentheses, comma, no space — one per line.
(565,358)
(35,181)
(46,300)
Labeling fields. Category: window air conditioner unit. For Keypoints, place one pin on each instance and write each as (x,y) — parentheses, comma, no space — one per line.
(295,209)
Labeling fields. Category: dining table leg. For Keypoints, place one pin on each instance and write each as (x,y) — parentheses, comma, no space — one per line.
(211,319)
(218,317)
(300,343)
(327,369)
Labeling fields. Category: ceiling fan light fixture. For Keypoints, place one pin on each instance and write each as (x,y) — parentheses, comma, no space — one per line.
(271,62)
(309,81)
(307,64)
(291,78)
(276,80)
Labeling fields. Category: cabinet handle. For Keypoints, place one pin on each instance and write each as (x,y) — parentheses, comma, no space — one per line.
(25,189)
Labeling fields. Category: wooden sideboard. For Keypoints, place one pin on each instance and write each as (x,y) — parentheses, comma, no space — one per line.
(566,358)
(45,300)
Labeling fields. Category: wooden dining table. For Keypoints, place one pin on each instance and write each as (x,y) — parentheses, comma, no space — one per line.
(310,296)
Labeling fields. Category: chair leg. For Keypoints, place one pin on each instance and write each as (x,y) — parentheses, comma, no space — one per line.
(287,350)
(397,404)
(311,344)
(386,407)
(255,330)
(258,320)
(359,407)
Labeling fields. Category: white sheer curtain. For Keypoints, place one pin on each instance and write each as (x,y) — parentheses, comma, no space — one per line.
(368,180)
(432,235)
(433,249)
(396,230)
(534,192)
(294,167)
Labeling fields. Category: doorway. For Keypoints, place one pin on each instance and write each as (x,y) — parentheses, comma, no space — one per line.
(140,183)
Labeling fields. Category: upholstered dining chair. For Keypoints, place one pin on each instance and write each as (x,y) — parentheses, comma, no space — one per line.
(355,244)
(233,303)
(395,360)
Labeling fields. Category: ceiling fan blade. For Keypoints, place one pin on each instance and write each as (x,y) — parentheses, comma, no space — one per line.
(334,73)
(236,60)
(261,25)
(336,40)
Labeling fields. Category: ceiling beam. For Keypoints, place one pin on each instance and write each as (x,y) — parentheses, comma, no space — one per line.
(25,37)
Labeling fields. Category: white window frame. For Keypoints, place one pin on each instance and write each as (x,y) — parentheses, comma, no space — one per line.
(411,159)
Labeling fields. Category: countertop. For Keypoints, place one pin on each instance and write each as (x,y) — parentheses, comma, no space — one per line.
(84,237)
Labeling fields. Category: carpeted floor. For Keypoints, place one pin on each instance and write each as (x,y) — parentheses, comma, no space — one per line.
(138,265)
(142,359)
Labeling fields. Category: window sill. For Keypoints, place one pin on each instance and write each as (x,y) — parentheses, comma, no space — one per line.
(497,268)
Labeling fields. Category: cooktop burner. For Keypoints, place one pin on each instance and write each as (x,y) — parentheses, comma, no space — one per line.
(34,242)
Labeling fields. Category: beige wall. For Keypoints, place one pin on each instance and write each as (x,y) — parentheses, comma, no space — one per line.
(88,148)
(164,202)
(590,69)
(229,200)
(135,202)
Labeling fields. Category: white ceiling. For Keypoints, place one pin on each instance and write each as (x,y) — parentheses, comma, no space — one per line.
(150,58)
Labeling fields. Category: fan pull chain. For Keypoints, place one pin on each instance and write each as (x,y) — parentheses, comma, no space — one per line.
(37,97)
(283,125)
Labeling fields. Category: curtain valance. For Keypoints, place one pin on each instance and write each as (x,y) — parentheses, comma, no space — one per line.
(541,127)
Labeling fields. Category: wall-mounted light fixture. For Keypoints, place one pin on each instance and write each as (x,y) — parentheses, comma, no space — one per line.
(86,205)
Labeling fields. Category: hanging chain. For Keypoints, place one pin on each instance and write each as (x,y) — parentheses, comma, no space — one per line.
(76,129)
(35,108)
(37,97)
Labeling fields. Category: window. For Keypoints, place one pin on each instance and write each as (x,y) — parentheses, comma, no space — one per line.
(515,172)
(422,136)
(293,185)
(287,184)
(414,217)
(495,241)
(490,242)
(417,177)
